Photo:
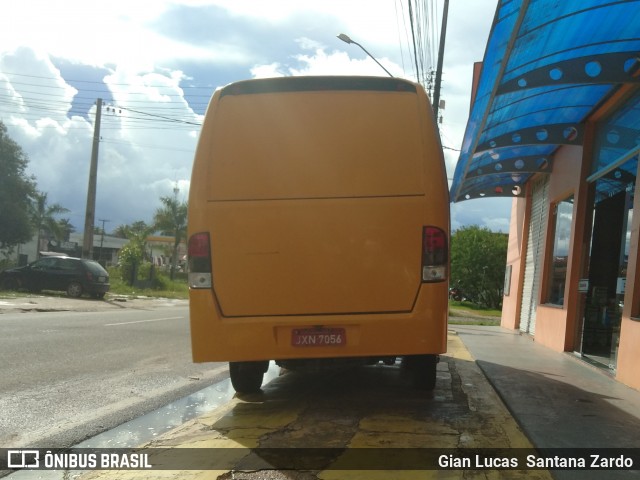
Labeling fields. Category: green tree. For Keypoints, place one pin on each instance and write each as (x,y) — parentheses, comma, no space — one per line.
(171,219)
(66,228)
(136,229)
(132,254)
(478,260)
(44,218)
(17,189)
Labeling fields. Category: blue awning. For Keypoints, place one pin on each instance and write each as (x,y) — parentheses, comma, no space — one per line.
(547,66)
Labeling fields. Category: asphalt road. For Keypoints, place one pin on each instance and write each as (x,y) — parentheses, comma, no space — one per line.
(67,376)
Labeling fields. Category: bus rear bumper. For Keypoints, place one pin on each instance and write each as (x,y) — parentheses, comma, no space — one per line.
(376,335)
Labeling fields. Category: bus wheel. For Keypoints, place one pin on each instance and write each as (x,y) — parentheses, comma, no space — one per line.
(246,377)
(423,370)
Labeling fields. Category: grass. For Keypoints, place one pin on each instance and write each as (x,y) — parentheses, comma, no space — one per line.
(473,309)
(467,313)
(459,312)
(162,287)
(11,294)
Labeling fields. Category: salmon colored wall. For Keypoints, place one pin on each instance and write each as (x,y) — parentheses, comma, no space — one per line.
(551,323)
(511,303)
(628,370)
(555,325)
(565,176)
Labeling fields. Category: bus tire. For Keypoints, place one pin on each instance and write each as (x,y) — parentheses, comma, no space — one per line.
(246,377)
(423,370)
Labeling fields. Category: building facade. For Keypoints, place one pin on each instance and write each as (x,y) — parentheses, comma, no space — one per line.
(555,124)
(573,249)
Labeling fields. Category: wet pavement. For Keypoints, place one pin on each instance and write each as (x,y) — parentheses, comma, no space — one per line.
(372,409)
(495,389)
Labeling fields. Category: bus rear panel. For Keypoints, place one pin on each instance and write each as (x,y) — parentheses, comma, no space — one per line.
(318,226)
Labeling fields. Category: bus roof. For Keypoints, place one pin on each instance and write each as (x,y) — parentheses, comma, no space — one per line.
(302,84)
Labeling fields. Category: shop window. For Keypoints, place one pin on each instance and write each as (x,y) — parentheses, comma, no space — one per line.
(617,137)
(614,170)
(561,245)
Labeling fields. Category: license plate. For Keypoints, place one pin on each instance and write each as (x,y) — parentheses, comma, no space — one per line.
(102,279)
(318,337)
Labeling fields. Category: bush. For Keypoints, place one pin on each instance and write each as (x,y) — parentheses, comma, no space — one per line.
(130,260)
(147,284)
(6,263)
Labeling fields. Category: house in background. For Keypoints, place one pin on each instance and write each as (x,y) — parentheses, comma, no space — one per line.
(106,249)
(160,250)
(555,125)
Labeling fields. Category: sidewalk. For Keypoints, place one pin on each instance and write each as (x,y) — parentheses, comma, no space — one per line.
(331,419)
(12,303)
(558,400)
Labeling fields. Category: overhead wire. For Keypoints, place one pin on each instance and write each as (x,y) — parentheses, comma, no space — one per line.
(32,100)
(27,107)
(424,22)
(145,113)
(412,21)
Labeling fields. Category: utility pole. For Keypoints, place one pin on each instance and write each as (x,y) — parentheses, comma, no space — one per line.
(436,89)
(90,215)
(102,237)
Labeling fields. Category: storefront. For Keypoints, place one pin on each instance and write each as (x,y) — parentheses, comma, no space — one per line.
(612,186)
(555,124)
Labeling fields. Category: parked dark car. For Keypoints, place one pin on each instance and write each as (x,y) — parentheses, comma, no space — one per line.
(76,276)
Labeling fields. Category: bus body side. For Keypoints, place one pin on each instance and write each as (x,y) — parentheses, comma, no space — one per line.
(318,225)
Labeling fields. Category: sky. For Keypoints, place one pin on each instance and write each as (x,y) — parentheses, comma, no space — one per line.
(156,64)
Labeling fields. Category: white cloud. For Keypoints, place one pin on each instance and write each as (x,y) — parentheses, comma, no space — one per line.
(141,155)
(148,70)
(340,63)
(267,71)
(492,213)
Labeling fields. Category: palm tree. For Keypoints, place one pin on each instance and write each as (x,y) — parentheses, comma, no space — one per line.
(121,231)
(171,219)
(44,218)
(137,229)
(66,228)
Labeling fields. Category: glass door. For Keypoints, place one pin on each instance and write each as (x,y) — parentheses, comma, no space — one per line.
(622,276)
(604,294)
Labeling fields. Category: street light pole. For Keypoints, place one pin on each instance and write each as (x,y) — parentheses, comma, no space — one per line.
(346,39)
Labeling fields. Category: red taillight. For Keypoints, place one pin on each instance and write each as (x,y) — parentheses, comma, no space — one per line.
(435,254)
(199,245)
(199,252)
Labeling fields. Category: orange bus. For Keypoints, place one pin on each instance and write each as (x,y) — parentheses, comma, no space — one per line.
(318,228)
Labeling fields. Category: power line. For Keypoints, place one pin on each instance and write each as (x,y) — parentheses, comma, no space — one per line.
(419,74)
(160,116)
(27,107)
(103,83)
